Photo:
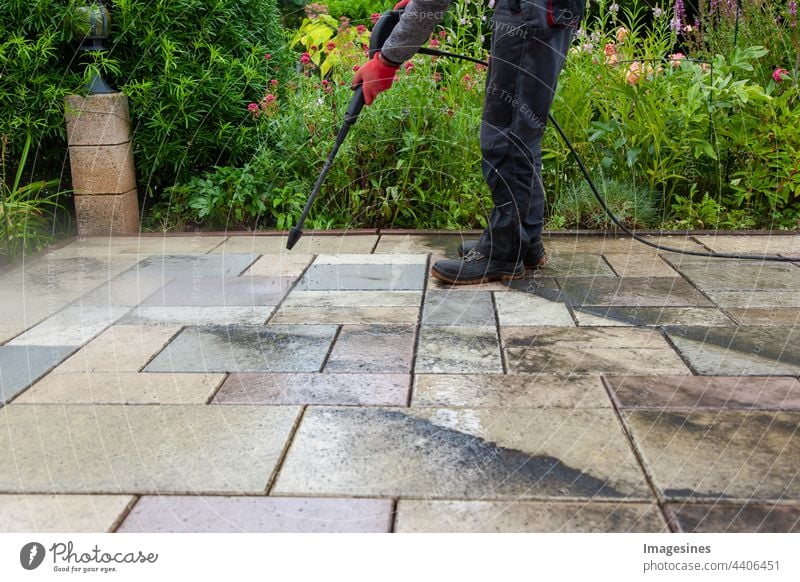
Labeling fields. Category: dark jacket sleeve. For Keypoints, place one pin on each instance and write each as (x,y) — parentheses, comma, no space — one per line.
(414,29)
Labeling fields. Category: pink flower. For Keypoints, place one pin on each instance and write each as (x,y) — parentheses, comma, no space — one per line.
(437,77)
(269,98)
(325,82)
(676,59)
(267,56)
(779,74)
(375,17)
(330,46)
(622,34)
(610,51)
(305,58)
(356,67)
(361,29)
(409,66)
(442,33)
(434,42)
(634,72)
(253,107)
(273,82)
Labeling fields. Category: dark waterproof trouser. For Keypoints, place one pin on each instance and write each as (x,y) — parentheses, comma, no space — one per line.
(530,39)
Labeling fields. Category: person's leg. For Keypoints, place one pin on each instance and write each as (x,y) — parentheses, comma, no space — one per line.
(527,55)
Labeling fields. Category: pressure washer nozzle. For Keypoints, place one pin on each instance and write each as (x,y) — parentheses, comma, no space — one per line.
(294,236)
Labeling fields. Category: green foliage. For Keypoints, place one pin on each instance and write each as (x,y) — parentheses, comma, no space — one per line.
(26,211)
(357,10)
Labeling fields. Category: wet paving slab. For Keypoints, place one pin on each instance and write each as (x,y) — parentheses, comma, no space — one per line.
(279,266)
(21,366)
(589,351)
(62,513)
(216,291)
(755,299)
(346,315)
(459,308)
(122,388)
(576,265)
(705,392)
(733,518)
(315,389)
(502,391)
(120,348)
(581,243)
(309,244)
(357,277)
(445,244)
(243,348)
(463,454)
(730,456)
(734,275)
(72,326)
(738,351)
(518,309)
(639,265)
(215,514)
(192,266)
(418,516)
(325,299)
(373,348)
(758,245)
(632,292)
(603,316)
(198,315)
(775,317)
(466,350)
(141,245)
(142,449)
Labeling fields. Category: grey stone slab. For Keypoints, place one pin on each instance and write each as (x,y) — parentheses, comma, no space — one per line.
(705,392)
(509,391)
(579,338)
(737,456)
(609,243)
(576,265)
(141,449)
(459,308)
(736,275)
(218,291)
(141,245)
(739,351)
(198,315)
(363,277)
(453,350)
(339,389)
(620,361)
(416,516)
(639,264)
(123,292)
(463,454)
(189,266)
(633,292)
(285,265)
(734,518)
(755,299)
(21,366)
(181,514)
(245,348)
(309,244)
(445,244)
(517,309)
(370,259)
(72,326)
(778,243)
(373,348)
(775,317)
(600,316)
(62,513)
(323,299)
(534,283)
(347,315)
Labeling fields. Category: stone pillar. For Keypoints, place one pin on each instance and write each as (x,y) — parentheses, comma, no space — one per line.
(101,160)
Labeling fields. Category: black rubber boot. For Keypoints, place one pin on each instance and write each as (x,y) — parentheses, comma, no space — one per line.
(475,268)
(534,258)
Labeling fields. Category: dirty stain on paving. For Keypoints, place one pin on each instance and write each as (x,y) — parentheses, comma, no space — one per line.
(222,383)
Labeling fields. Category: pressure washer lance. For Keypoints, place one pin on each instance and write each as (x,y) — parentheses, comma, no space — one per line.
(380,32)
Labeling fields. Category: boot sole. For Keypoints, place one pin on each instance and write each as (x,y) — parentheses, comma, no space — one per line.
(448,280)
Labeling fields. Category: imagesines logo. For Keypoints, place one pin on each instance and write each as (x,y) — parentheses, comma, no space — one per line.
(31,555)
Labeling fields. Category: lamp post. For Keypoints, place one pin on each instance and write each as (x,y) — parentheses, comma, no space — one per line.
(93,24)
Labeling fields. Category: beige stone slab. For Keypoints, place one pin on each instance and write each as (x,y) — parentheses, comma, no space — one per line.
(176,449)
(444,244)
(309,244)
(127,292)
(522,309)
(581,338)
(461,454)
(299,298)
(141,246)
(601,316)
(759,245)
(102,169)
(199,315)
(755,299)
(415,516)
(775,317)
(97,119)
(509,391)
(72,326)
(731,456)
(346,315)
(120,348)
(122,388)
(637,264)
(579,243)
(286,265)
(107,214)
(581,361)
(62,513)
(369,259)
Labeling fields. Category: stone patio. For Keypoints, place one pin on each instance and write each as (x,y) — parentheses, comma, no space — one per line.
(215,383)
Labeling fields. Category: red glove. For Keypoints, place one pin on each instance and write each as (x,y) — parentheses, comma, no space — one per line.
(400,5)
(375,76)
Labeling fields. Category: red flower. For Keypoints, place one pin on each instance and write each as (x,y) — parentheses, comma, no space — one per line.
(408,66)
(305,58)
(356,67)
(267,56)
(330,46)
(779,74)
(434,42)
(325,82)
(253,107)
(273,82)
(361,29)
(375,17)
